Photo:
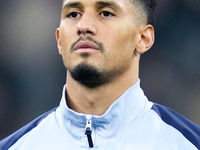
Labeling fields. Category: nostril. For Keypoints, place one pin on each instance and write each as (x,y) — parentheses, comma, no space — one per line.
(89,32)
(79,32)
(84,32)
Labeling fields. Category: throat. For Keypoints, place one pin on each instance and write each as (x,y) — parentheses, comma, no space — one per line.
(89,102)
(91,108)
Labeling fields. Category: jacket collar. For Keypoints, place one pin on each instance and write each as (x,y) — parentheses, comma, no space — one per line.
(125,111)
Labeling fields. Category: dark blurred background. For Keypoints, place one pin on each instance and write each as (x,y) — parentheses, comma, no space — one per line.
(32,74)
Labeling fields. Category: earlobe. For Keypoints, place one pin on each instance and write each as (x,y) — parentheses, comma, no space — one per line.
(57,33)
(146,39)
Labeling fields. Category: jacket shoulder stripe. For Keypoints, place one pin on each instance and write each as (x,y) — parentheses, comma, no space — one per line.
(189,129)
(13,138)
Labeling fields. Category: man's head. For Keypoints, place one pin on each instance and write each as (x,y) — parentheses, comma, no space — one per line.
(101,40)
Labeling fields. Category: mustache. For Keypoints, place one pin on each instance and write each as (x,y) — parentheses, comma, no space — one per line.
(99,44)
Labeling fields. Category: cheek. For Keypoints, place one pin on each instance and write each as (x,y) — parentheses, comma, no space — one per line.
(122,36)
(120,56)
(123,44)
(64,38)
(67,37)
(120,51)
(65,46)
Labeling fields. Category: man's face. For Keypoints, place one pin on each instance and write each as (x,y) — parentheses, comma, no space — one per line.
(98,34)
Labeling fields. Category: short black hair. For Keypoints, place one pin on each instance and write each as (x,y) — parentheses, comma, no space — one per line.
(149,8)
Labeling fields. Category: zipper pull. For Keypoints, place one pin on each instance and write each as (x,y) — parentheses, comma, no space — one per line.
(88,131)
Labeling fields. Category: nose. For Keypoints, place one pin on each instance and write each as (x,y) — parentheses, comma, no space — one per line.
(86,25)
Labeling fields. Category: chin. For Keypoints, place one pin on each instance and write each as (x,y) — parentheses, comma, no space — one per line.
(87,75)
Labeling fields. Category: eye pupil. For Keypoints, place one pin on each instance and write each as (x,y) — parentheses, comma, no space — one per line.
(74,15)
(105,13)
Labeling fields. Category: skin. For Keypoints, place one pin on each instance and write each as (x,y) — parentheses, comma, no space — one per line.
(124,37)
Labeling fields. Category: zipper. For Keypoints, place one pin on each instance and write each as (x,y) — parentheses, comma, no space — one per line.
(88,131)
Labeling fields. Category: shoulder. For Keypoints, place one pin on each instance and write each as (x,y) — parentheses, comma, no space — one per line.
(13,138)
(189,129)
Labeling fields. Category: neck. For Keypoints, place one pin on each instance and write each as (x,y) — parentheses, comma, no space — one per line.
(96,101)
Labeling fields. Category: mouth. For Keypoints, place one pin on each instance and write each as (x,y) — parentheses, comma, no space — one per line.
(86,47)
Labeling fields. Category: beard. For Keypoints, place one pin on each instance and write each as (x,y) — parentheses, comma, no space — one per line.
(89,76)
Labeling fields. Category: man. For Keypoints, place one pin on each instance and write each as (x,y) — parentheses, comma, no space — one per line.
(103,106)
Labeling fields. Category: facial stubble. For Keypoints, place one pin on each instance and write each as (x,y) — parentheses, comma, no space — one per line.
(86,74)
(89,76)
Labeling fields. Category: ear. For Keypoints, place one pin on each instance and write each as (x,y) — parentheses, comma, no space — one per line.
(145,39)
(57,33)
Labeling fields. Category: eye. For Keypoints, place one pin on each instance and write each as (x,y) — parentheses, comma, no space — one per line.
(73,15)
(106,14)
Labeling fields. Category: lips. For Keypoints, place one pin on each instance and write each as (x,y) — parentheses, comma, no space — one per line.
(85,46)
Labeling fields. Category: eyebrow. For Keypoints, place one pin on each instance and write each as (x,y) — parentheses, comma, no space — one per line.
(99,4)
(72,5)
(107,4)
